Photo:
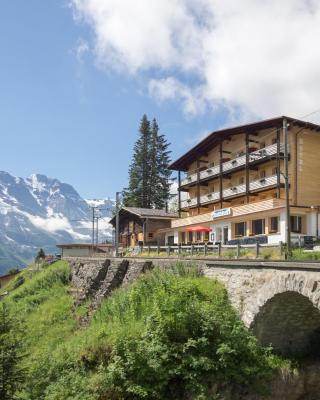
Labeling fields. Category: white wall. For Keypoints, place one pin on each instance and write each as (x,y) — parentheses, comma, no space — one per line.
(76,252)
(312,224)
(282,226)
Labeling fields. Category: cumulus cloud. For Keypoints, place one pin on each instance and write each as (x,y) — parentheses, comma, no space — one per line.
(172,89)
(249,57)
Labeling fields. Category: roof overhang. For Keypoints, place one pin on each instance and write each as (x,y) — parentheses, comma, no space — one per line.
(214,138)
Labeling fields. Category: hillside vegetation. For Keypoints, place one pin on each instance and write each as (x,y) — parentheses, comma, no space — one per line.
(170,335)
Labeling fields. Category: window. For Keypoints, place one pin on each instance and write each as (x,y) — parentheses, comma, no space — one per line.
(274,224)
(198,236)
(190,237)
(258,226)
(240,229)
(296,223)
(241,180)
(150,235)
(274,171)
(262,145)
(262,174)
(206,237)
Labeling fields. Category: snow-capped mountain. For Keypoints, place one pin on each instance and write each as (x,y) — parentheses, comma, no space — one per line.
(40,212)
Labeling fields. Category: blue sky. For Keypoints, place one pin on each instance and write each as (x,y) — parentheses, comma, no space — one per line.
(67,118)
(77,75)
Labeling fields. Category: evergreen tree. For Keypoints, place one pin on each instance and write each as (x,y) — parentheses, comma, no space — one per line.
(41,255)
(160,174)
(11,352)
(149,185)
(136,195)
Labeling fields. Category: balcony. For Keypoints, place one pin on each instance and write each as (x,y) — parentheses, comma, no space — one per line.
(253,207)
(189,179)
(189,203)
(235,164)
(235,191)
(209,198)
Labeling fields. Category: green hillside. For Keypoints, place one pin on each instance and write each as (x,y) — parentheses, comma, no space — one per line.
(9,259)
(167,336)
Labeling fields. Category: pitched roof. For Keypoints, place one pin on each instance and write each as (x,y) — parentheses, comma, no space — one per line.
(215,137)
(146,213)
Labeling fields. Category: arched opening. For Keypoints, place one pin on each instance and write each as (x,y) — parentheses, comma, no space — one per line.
(290,323)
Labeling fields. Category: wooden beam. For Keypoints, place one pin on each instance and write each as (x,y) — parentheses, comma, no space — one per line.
(247,168)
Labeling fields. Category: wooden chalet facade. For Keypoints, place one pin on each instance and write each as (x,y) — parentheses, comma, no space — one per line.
(139,226)
(231,184)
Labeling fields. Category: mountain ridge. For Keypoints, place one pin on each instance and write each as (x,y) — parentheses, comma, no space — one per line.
(39,211)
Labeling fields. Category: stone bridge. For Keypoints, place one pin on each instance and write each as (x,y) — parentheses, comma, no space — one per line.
(279,301)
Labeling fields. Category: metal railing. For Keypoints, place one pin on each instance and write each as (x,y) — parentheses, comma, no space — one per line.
(235,163)
(256,185)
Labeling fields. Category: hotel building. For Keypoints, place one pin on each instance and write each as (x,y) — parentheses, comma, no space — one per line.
(231,185)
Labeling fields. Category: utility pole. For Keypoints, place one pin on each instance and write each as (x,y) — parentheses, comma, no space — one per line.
(93,218)
(286,183)
(97,230)
(117,223)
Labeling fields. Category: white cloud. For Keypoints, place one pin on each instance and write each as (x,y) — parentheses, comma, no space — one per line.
(81,49)
(250,57)
(170,88)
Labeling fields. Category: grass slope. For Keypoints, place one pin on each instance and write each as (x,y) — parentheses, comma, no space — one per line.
(170,335)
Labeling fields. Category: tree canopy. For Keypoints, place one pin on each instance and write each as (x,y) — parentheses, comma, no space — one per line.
(149,185)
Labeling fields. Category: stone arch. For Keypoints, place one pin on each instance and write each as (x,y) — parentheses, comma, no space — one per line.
(286,312)
(290,323)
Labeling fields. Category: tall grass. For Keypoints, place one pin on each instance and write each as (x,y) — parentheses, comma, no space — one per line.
(172,334)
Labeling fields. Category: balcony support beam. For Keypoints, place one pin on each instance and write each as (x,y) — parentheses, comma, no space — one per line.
(247,169)
(220,173)
(278,161)
(179,193)
(198,185)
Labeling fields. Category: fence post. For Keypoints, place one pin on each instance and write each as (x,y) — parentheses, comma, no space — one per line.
(168,250)
(158,249)
(205,249)
(257,250)
(219,249)
(192,249)
(281,248)
(179,248)
(238,250)
(148,250)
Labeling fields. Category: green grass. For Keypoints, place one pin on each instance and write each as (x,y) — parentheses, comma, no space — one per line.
(169,335)
(300,254)
(269,253)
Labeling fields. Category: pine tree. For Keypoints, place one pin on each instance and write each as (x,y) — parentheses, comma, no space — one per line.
(41,255)
(11,352)
(136,195)
(149,185)
(160,174)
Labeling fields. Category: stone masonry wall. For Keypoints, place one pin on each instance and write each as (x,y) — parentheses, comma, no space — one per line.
(263,295)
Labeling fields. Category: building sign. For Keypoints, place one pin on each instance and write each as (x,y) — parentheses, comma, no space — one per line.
(223,212)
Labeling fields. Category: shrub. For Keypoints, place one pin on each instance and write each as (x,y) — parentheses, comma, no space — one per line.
(172,337)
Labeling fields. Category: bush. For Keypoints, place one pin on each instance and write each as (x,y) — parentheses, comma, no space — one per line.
(170,335)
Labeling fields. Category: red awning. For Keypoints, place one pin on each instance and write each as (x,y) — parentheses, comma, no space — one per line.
(198,229)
